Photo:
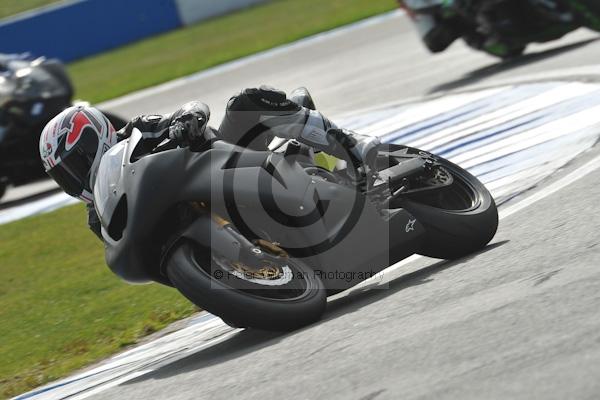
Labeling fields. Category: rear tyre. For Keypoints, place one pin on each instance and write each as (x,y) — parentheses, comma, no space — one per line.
(459,220)
(295,300)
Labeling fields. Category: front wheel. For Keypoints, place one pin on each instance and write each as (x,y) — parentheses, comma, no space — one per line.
(281,296)
(459,219)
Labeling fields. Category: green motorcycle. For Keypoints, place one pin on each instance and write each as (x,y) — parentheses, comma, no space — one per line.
(503,28)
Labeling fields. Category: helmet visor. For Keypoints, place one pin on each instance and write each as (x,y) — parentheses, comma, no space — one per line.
(68,183)
(72,174)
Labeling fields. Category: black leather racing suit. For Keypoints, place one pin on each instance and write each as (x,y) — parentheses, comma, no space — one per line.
(252,119)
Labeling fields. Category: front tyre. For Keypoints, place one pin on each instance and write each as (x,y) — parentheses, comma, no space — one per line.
(459,219)
(276,303)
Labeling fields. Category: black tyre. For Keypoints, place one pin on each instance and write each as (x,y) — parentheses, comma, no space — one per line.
(292,300)
(459,219)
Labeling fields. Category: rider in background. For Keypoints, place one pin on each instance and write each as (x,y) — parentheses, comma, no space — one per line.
(441,22)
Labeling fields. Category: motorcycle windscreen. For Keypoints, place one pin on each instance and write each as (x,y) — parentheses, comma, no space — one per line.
(68,179)
(107,180)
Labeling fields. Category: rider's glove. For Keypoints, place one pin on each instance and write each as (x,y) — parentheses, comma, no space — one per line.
(145,123)
(189,123)
(187,129)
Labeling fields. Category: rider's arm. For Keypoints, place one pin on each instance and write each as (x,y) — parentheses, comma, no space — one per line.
(193,116)
(152,127)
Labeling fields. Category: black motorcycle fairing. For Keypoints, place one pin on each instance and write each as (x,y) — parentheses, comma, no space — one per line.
(133,196)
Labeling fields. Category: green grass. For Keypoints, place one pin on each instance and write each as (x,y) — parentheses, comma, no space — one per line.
(60,306)
(213,42)
(12,7)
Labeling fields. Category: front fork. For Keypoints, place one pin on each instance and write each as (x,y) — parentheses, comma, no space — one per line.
(214,233)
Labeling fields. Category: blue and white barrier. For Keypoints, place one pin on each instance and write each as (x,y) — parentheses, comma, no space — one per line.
(81,28)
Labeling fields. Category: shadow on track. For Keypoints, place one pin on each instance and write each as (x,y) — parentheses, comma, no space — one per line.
(249,341)
(358,299)
(503,66)
(241,344)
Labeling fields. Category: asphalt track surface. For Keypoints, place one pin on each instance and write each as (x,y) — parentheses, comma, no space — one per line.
(518,320)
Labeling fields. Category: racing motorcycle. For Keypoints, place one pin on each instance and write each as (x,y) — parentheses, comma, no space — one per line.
(502,28)
(32,92)
(260,238)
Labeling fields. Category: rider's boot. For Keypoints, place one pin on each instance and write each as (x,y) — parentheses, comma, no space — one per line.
(302,97)
(358,150)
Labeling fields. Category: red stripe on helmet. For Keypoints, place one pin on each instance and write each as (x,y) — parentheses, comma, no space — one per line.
(79,122)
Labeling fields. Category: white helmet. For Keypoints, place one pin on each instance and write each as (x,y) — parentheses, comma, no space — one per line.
(71,146)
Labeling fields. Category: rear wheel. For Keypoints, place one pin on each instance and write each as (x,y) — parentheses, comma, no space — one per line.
(459,219)
(281,296)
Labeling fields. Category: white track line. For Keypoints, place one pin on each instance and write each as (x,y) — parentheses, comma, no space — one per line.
(135,374)
(424,110)
(562,183)
(569,125)
(506,114)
